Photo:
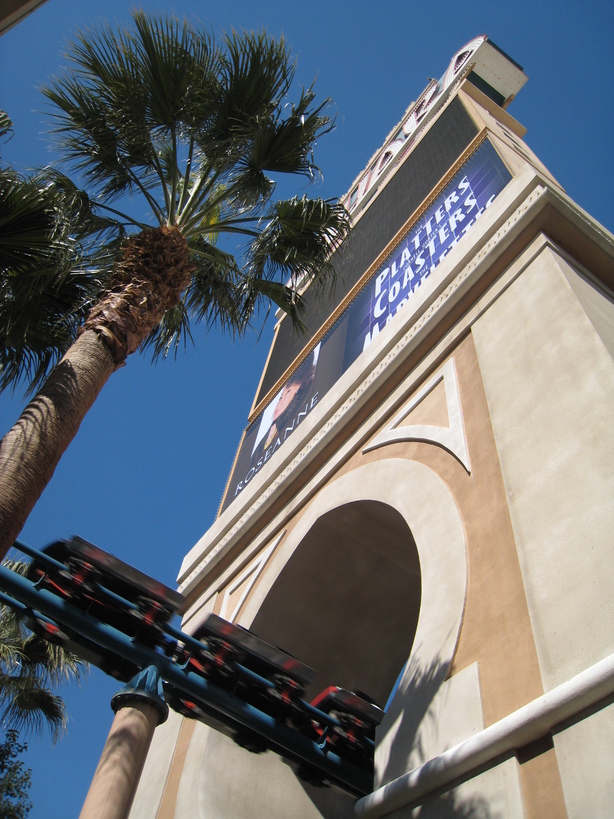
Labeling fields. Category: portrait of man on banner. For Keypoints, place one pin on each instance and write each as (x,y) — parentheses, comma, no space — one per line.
(279,419)
(288,408)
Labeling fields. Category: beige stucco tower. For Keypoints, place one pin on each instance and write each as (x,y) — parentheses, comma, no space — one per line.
(431,520)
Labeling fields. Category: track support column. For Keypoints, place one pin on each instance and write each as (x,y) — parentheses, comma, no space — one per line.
(139,707)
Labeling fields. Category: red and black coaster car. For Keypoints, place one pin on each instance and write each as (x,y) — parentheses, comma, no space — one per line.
(108,589)
(357,717)
(239,661)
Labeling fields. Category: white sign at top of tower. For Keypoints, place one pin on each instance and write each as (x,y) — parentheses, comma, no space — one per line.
(480,56)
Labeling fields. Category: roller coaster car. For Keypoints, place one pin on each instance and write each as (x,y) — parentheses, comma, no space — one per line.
(107,588)
(357,717)
(239,661)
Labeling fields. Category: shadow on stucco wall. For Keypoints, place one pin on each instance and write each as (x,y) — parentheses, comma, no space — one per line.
(409,716)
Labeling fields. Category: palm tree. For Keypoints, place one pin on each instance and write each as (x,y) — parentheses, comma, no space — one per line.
(194,132)
(30,667)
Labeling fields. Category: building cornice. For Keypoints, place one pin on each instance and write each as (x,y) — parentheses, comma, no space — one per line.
(13,11)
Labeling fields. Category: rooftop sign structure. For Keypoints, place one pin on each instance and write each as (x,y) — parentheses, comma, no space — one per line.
(484,64)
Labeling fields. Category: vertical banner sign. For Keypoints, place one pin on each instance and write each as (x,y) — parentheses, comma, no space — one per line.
(388,291)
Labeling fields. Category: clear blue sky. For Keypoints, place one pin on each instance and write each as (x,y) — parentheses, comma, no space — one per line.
(145,474)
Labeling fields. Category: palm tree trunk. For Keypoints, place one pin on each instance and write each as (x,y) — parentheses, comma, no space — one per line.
(31,450)
(147,280)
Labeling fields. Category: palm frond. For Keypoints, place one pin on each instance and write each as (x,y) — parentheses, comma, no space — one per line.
(6,125)
(129,93)
(29,668)
(281,295)
(55,254)
(170,334)
(284,143)
(28,706)
(256,73)
(298,239)
(216,296)
(176,65)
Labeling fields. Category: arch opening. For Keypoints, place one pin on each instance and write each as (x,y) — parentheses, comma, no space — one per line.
(348,599)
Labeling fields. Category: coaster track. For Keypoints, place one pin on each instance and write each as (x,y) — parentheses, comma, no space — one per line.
(119,619)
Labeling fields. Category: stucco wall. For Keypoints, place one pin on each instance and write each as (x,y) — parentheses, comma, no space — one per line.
(585,752)
(549,382)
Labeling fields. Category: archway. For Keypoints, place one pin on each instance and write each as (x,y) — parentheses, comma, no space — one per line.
(427,512)
(320,599)
(347,601)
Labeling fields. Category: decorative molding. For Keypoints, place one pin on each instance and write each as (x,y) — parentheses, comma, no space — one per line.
(451,438)
(249,574)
